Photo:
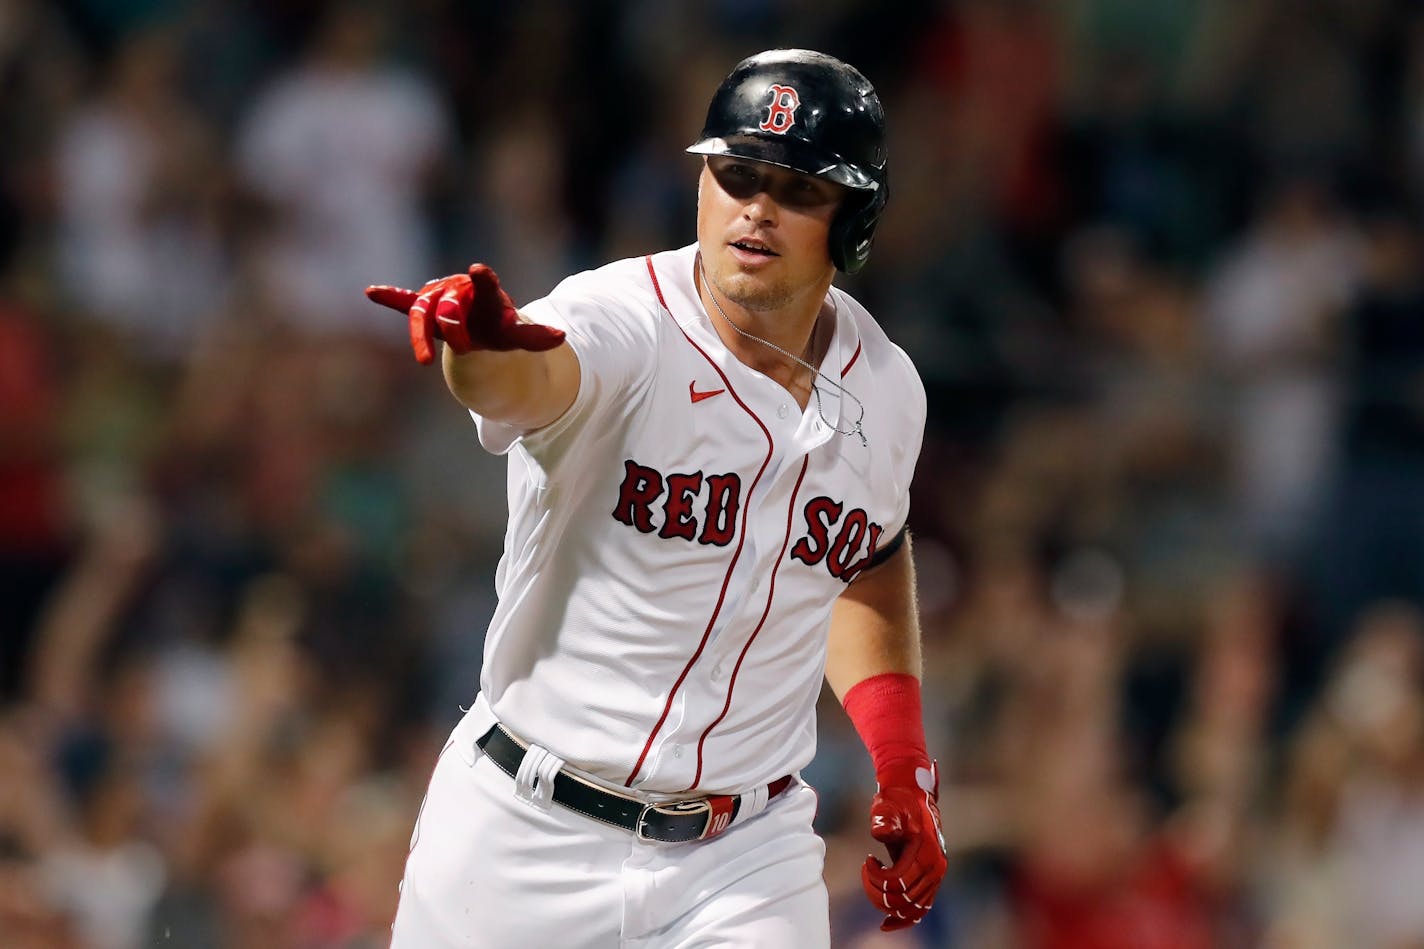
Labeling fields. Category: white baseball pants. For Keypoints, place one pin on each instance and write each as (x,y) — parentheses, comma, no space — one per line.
(490,868)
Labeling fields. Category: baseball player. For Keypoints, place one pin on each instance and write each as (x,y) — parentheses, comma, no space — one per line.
(710,451)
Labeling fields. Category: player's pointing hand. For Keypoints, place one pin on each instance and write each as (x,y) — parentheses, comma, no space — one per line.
(469,311)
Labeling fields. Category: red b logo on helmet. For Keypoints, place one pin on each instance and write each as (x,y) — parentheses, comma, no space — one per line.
(781,113)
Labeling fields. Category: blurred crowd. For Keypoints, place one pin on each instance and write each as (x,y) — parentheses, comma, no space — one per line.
(1160,264)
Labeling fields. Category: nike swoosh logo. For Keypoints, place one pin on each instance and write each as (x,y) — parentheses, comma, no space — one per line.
(699,396)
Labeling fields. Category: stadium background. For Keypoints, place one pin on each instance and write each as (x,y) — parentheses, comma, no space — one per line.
(1159,263)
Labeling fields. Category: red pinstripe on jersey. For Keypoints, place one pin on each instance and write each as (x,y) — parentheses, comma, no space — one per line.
(853,357)
(741,539)
(770,595)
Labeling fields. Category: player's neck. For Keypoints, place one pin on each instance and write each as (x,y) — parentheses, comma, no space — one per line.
(793,328)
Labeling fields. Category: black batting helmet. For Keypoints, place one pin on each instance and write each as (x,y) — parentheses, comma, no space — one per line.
(814,114)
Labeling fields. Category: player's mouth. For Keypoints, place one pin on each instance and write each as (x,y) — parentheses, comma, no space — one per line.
(750,249)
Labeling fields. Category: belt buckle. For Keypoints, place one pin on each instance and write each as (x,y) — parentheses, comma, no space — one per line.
(716,813)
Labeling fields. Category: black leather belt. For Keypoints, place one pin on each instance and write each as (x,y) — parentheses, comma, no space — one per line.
(672,822)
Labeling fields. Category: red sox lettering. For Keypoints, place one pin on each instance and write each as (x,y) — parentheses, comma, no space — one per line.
(844,544)
(643,485)
(816,545)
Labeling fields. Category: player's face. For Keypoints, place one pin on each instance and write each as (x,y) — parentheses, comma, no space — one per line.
(763,231)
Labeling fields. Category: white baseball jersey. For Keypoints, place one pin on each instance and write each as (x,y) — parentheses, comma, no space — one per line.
(677,538)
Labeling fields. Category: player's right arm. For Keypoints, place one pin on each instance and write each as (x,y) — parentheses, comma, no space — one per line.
(497,363)
(520,388)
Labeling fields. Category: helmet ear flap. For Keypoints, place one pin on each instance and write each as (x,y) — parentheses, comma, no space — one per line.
(853,227)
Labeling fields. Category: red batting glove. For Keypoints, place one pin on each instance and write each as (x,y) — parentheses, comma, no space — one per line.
(904,816)
(469,311)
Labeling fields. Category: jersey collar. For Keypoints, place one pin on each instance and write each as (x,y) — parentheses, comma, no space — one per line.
(839,362)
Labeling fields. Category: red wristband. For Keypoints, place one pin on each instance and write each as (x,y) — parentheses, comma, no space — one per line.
(887,714)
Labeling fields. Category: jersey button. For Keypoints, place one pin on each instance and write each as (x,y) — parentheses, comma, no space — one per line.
(717,671)
(782,410)
(677,751)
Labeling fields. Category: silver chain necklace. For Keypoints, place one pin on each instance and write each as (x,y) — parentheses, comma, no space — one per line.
(855,429)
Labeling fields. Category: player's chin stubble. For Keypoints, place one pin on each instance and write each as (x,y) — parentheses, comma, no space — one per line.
(750,292)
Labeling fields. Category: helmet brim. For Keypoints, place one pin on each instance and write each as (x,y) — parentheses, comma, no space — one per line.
(790,154)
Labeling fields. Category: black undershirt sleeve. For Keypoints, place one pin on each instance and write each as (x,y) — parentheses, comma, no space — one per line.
(884,553)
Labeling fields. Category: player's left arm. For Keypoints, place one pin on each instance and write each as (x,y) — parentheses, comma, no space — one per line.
(873,665)
(875,626)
